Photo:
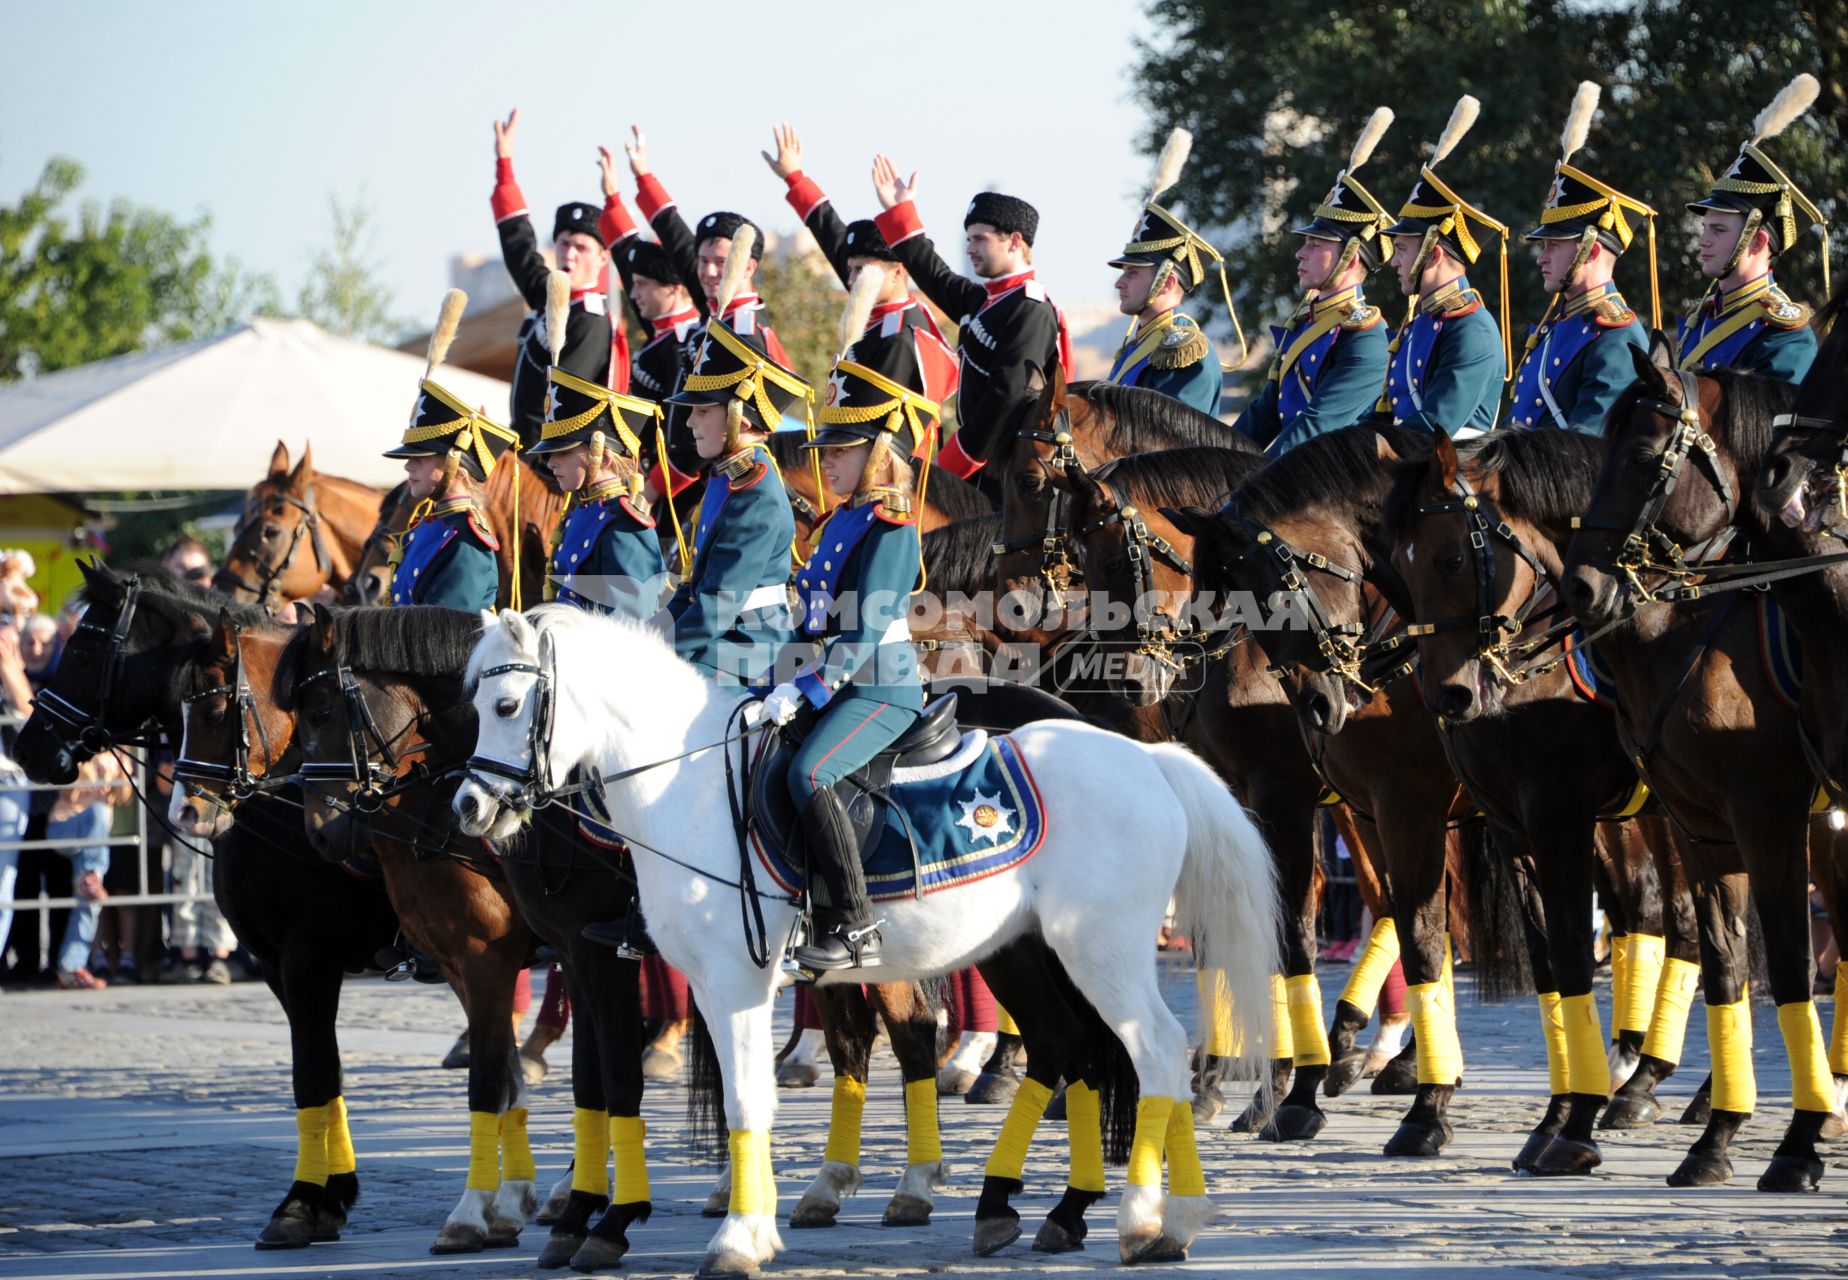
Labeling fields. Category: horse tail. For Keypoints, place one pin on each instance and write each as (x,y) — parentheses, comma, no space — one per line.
(707,1134)
(1491,896)
(1226,899)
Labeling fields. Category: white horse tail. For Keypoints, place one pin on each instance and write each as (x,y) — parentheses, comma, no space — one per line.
(1226,900)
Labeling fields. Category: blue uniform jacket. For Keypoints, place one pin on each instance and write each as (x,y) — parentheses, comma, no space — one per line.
(1171,355)
(1755,329)
(1326,375)
(731,615)
(608,558)
(448,560)
(1447,369)
(856,597)
(1578,364)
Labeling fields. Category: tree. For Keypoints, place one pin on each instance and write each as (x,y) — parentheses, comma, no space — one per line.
(343,293)
(106,280)
(805,308)
(1273,121)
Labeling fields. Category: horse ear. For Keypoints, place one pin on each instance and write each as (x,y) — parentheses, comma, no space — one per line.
(1444,460)
(303,475)
(279,460)
(224,638)
(519,630)
(1382,448)
(323,628)
(1052,395)
(93,577)
(1652,376)
(1661,351)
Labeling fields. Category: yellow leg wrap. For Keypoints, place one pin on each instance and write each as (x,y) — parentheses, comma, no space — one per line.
(923,1144)
(311,1145)
(1023,1116)
(1185,1176)
(340,1157)
(1838,1029)
(483,1151)
(1729,1044)
(1084,1127)
(1812,1088)
(1668,1025)
(1620,979)
(1648,957)
(753,1184)
(1307,1034)
(1376,961)
(1151,1136)
(516,1150)
(1215,1006)
(626,1134)
(1004,1022)
(1588,1070)
(844,1119)
(1434,1024)
(1450,994)
(590,1151)
(1553,1028)
(1283,1044)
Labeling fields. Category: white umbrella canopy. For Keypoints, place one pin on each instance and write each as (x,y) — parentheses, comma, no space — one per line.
(207,414)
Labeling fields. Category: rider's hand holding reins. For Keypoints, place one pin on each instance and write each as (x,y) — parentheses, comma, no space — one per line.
(782,704)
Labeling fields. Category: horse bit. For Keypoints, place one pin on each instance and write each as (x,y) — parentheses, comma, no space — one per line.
(91,727)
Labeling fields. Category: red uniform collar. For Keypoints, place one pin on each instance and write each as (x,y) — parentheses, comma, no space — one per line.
(885,309)
(663,324)
(1005,284)
(743,302)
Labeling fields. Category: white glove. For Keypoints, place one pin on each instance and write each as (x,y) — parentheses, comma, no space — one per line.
(782,704)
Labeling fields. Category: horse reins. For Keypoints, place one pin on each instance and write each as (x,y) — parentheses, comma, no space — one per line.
(236,778)
(91,726)
(1055,562)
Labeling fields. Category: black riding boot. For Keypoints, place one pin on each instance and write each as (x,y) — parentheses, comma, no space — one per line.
(845,933)
(629,935)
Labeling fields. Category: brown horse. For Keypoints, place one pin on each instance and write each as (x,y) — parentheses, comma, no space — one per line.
(240,739)
(370,581)
(300,531)
(523,509)
(1701,717)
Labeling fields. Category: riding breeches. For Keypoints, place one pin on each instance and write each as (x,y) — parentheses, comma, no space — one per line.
(849,734)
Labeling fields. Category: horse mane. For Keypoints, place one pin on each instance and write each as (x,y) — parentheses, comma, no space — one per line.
(948,492)
(1198,475)
(1747,405)
(1826,396)
(960,556)
(161,587)
(406,641)
(1546,476)
(1138,420)
(1338,469)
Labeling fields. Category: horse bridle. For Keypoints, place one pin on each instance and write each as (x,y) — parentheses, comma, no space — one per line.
(532,789)
(309,524)
(1157,633)
(1832,426)
(91,727)
(236,781)
(372,762)
(1055,561)
(1341,647)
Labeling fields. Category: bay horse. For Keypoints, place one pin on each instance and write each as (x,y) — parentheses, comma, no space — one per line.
(308,923)
(300,531)
(661,741)
(1702,719)
(240,737)
(1475,531)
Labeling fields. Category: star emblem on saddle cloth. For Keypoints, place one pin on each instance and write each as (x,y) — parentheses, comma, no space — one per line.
(985,818)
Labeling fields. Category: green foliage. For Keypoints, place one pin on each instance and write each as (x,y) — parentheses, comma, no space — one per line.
(1276,93)
(805,309)
(77,286)
(343,293)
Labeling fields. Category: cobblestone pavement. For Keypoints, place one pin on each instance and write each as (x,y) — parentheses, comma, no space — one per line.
(146,1132)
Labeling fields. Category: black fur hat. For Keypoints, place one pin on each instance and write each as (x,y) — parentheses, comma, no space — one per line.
(724,226)
(864,240)
(646,258)
(579,217)
(1004,214)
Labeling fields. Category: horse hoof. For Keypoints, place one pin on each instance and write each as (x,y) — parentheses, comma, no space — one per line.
(663,1066)
(796,1075)
(1530,1151)
(1162,1248)
(1630,1113)
(1251,1120)
(1397,1077)
(1699,1111)
(500,1240)
(459,1237)
(1055,1107)
(1415,1139)
(994,1234)
(1566,1157)
(1294,1124)
(1701,1170)
(953,1081)
(813,1211)
(559,1250)
(599,1254)
(1343,1074)
(992,1089)
(1053,1238)
(907,1211)
(288,1229)
(327,1223)
(726,1265)
(718,1204)
(1791,1173)
(1207,1104)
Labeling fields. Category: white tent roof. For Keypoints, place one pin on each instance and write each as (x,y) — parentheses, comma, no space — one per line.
(207,414)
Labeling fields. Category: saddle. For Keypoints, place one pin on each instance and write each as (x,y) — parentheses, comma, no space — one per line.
(935,737)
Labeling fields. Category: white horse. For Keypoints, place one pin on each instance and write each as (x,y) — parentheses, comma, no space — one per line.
(1129,826)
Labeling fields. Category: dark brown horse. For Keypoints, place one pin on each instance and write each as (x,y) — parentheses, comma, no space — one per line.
(300,531)
(1702,720)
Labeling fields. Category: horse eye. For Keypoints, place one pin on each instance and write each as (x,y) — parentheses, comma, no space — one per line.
(1116,564)
(1642,457)
(507,708)
(1451,563)
(1030,483)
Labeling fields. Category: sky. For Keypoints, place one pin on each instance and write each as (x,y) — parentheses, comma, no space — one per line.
(255,114)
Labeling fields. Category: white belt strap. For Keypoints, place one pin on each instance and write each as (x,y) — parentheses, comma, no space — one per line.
(767,597)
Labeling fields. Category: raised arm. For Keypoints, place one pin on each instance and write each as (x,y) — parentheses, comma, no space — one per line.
(519,242)
(954,295)
(663,215)
(808,200)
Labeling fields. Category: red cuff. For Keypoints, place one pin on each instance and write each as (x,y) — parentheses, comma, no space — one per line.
(899,223)
(615,224)
(803,195)
(508,200)
(952,458)
(662,472)
(651,196)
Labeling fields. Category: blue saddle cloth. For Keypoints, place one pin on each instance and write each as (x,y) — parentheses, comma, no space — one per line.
(1590,676)
(972,815)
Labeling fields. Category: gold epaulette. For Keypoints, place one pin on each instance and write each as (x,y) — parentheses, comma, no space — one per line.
(1609,313)
(1781,311)
(741,470)
(1182,347)
(1361,316)
(1460,303)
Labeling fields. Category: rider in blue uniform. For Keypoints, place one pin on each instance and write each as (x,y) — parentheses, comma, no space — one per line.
(1164,261)
(1578,358)
(1331,358)
(1752,215)
(731,614)
(449,450)
(608,557)
(1446,365)
(856,596)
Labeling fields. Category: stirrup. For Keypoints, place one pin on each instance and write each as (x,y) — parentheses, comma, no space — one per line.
(854,940)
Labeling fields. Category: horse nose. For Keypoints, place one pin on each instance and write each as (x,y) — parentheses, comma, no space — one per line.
(1581,596)
(319,838)
(1454,701)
